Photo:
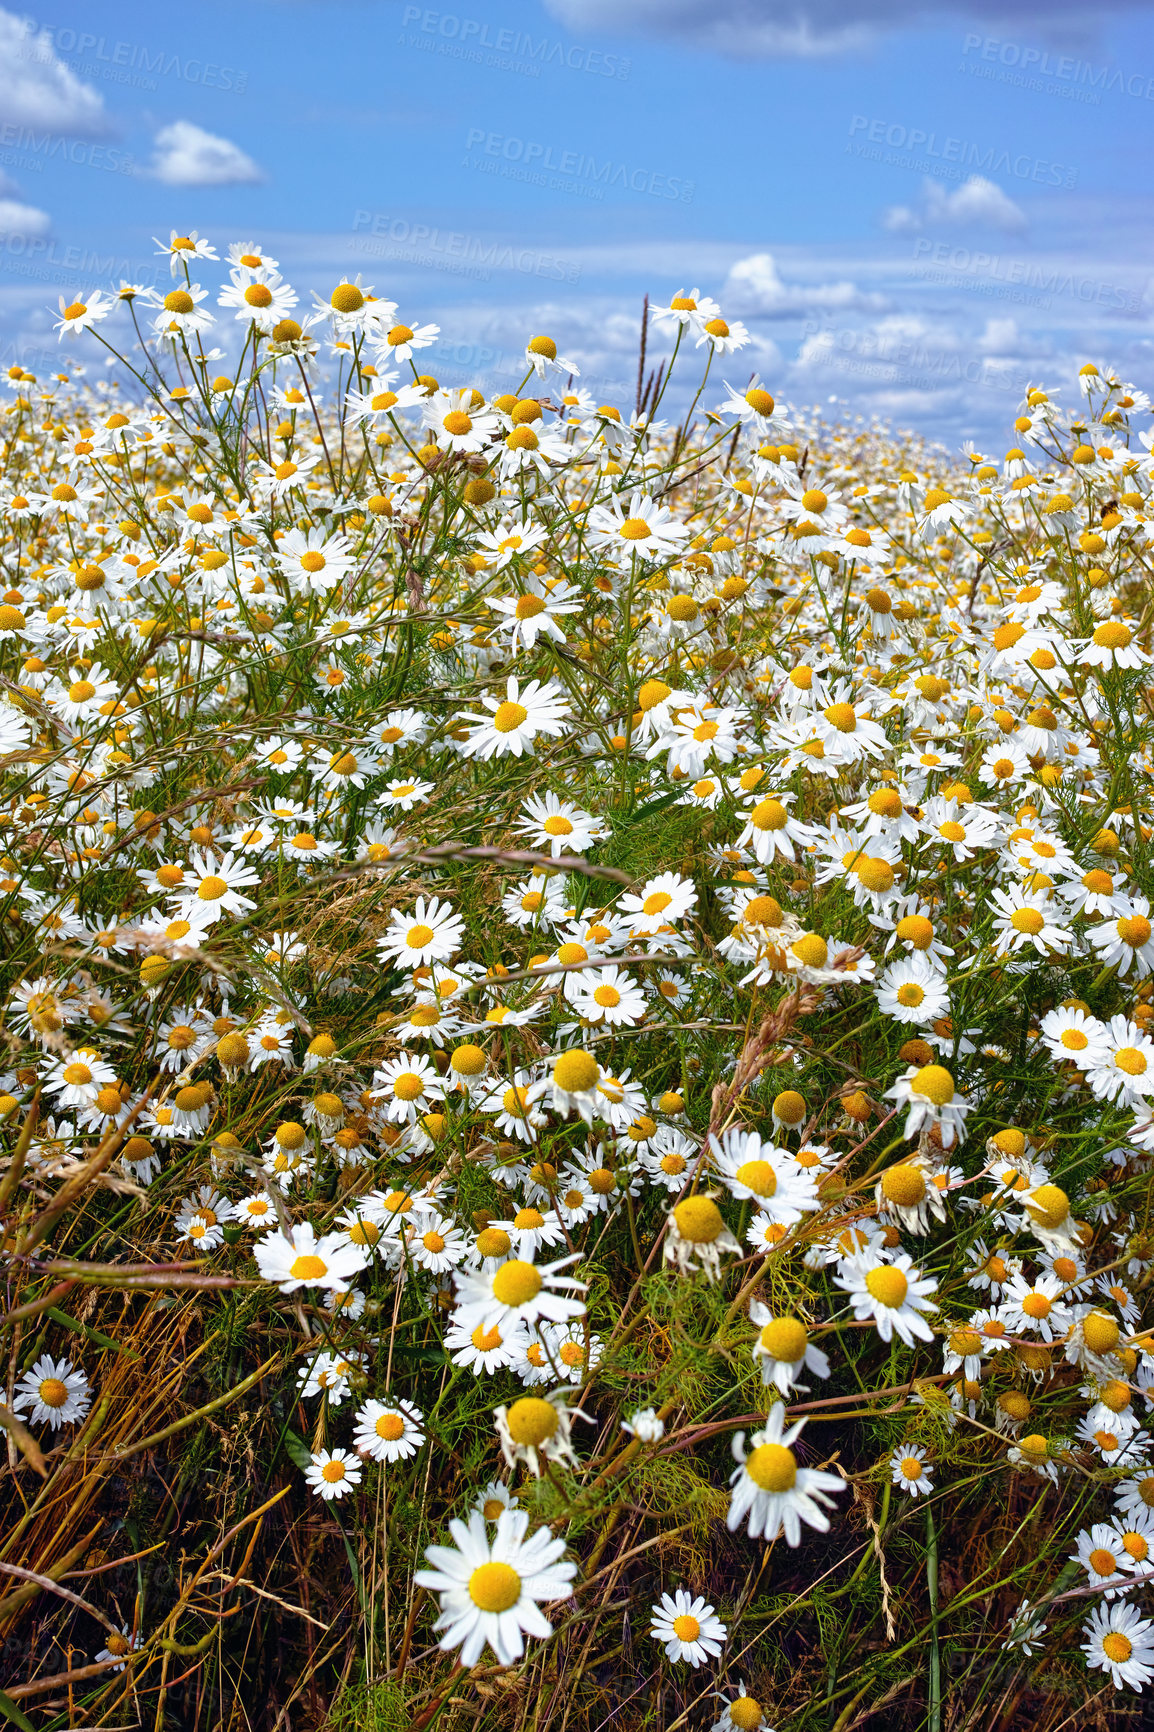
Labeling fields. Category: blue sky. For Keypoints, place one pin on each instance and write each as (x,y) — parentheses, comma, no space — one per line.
(914,211)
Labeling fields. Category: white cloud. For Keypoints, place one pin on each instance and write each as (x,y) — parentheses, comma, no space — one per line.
(754,286)
(977,203)
(789,28)
(38,89)
(22,219)
(186,155)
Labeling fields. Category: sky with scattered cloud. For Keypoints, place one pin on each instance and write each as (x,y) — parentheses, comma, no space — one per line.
(917,210)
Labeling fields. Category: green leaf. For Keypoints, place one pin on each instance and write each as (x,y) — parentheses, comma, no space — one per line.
(652,806)
(11,1712)
(298,1450)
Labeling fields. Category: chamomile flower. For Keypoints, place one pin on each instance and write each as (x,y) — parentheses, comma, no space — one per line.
(687,1627)
(491,1590)
(910,1471)
(388,1431)
(783,1349)
(1120,1641)
(771,1491)
(54,1392)
(333,1473)
(893,1294)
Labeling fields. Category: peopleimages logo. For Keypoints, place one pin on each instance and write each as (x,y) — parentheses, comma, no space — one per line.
(512,50)
(949,157)
(546,165)
(1035,64)
(454,250)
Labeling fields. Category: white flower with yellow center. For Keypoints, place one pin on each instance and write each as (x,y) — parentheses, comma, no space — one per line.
(431,933)
(1126,942)
(515,720)
(389,1430)
(783,1349)
(54,1391)
(661,902)
(78,1079)
(258,295)
(299,1259)
(1123,1070)
(517,1291)
(743,1713)
(212,887)
(1071,1034)
(893,1294)
(761,1172)
(645,530)
(910,1471)
(574,1085)
(333,1473)
(408,1085)
(510,540)
(82,313)
(696,1235)
(771,1490)
(491,1591)
(1121,1642)
(558,825)
(1107,1563)
(314,562)
(538,609)
(609,996)
(688,1627)
(912,990)
(930,1097)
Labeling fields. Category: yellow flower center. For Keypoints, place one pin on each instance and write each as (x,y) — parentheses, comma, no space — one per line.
(408,1086)
(635,529)
(346,298)
(758,1177)
(772,1467)
(888,1286)
(53,1392)
(1130,1060)
(308,1268)
(575,1072)
(698,1220)
(509,716)
(935,1083)
(390,1426)
(904,1185)
(685,1628)
(516,1283)
(531,1421)
(212,888)
(785,1338)
(1117,1647)
(494,1587)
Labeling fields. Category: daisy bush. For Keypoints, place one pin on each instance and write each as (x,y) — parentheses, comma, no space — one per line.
(577,1084)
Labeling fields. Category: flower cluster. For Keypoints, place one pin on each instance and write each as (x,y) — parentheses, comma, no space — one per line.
(517,877)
